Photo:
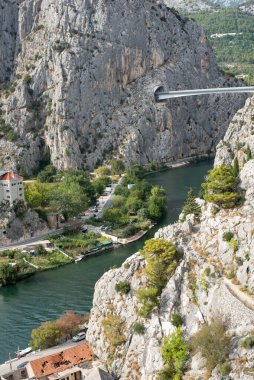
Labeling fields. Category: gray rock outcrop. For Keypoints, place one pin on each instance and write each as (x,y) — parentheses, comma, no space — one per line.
(239,135)
(82,84)
(215,279)
(19,222)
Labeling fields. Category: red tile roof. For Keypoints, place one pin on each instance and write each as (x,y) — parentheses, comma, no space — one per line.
(10,176)
(62,360)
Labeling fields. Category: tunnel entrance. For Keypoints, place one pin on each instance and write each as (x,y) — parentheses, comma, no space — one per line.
(158,89)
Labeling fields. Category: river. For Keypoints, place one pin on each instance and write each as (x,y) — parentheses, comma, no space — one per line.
(47,295)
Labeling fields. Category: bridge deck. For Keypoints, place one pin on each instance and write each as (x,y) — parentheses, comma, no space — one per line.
(182,93)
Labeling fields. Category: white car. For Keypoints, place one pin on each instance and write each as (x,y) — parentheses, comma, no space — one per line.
(79,336)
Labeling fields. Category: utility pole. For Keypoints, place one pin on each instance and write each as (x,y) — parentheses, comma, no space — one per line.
(10,361)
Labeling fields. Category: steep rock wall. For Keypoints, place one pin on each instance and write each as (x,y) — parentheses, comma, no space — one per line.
(83,84)
(214,280)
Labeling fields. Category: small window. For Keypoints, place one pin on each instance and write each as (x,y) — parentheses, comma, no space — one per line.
(7,191)
(20,189)
(8,196)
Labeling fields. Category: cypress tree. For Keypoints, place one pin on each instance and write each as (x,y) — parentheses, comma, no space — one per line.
(236,167)
(248,153)
(190,205)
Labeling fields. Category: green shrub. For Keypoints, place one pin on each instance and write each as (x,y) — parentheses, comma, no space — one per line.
(239,260)
(225,369)
(138,328)
(149,299)
(175,354)
(248,343)
(233,244)
(27,79)
(114,327)
(227,236)
(123,287)
(176,320)
(212,342)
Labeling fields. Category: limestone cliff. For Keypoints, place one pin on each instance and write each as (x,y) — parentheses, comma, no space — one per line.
(214,279)
(19,222)
(82,76)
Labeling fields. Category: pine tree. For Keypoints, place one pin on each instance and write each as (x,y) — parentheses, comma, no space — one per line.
(248,153)
(221,187)
(190,205)
(236,167)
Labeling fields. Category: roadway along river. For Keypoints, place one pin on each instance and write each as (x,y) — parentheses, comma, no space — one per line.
(47,295)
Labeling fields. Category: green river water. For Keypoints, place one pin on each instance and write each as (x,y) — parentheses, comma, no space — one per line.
(47,295)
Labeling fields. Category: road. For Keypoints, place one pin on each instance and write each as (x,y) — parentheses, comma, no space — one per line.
(104,202)
(5,368)
(182,93)
(22,243)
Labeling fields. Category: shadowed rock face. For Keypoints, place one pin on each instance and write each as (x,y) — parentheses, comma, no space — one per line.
(84,77)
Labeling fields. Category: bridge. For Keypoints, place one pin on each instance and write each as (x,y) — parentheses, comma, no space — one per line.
(161,95)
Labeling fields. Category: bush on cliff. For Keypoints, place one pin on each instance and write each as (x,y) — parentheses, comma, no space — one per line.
(175,354)
(212,342)
(221,187)
(114,327)
(162,260)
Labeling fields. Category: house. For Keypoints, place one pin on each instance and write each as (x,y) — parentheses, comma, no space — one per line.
(11,186)
(63,365)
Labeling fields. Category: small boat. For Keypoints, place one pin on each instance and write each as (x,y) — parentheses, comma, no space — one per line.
(78,259)
(22,353)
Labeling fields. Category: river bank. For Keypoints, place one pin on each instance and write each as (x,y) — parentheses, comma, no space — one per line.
(30,302)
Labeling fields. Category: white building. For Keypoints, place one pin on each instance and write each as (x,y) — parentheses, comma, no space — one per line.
(11,186)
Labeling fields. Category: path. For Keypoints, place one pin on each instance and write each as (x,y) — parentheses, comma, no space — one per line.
(244,298)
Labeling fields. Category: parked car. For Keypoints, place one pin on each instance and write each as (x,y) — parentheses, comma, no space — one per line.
(79,336)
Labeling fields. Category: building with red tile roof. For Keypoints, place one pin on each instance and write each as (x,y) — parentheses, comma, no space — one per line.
(11,186)
(61,361)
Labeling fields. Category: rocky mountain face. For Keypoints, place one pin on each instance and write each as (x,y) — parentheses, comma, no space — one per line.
(215,279)
(227,3)
(238,136)
(189,5)
(82,84)
(247,7)
(19,222)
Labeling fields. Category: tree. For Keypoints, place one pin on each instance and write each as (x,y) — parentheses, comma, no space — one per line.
(117,167)
(69,323)
(45,336)
(112,215)
(248,153)
(47,174)
(69,199)
(157,203)
(40,250)
(190,205)
(38,194)
(99,184)
(162,259)
(7,274)
(102,171)
(221,187)
(236,168)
